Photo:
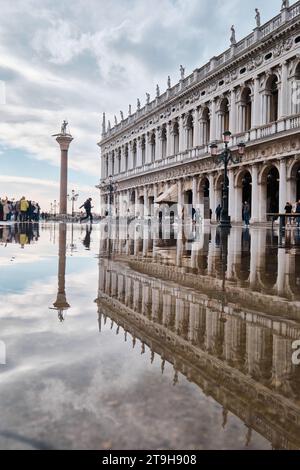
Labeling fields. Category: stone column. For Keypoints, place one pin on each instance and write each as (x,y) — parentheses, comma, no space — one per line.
(232,115)
(180,199)
(283,97)
(130,156)
(158,145)
(231,205)
(212,196)
(256,112)
(64,141)
(169,139)
(182,146)
(213,121)
(146,201)
(196,142)
(255,195)
(282,185)
(139,152)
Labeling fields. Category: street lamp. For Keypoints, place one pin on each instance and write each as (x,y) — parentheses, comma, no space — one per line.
(73,198)
(226,157)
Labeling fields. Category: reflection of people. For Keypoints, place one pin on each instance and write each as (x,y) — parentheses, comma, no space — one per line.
(87,239)
(88,209)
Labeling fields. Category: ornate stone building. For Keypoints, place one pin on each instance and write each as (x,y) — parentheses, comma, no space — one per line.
(161,152)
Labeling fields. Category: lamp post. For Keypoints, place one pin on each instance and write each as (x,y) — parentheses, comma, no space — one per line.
(73,198)
(225,158)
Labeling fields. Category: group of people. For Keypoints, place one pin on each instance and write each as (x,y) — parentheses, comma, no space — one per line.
(19,211)
(293,209)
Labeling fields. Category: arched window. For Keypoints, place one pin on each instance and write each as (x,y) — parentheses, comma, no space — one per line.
(164,142)
(190,131)
(143,145)
(224,116)
(152,146)
(296,92)
(272,99)
(134,154)
(205,126)
(246,110)
(176,137)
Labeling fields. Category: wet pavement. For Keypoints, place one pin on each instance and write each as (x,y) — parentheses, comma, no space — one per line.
(149,340)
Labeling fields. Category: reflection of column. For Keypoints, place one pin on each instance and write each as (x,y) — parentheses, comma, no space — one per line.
(253,257)
(180,198)
(282,364)
(61,303)
(281,272)
(259,347)
(212,196)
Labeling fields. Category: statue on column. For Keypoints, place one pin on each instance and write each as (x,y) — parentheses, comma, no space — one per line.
(122,115)
(116,121)
(138,104)
(108,126)
(64,127)
(285,4)
(148,98)
(233,38)
(157,91)
(257,18)
(129,110)
(182,72)
(169,82)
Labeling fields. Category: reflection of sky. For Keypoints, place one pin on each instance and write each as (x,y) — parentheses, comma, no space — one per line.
(67,386)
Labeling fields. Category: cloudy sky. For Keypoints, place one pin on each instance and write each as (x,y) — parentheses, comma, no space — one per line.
(63,59)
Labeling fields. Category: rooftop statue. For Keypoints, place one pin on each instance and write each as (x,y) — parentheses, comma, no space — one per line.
(64,127)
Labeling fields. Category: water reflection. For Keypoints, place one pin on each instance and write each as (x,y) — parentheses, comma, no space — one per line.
(61,305)
(20,233)
(224,311)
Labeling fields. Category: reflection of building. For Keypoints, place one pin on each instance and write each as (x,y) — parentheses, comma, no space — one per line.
(23,234)
(220,340)
(160,153)
(61,304)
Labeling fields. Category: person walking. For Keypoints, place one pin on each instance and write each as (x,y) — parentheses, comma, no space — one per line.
(88,209)
(246,214)
(218,212)
(288,210)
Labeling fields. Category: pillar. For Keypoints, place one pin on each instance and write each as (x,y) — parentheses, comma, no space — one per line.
(232,116)
(64,141)
(197,141)
(213,121)
(282,185)
(255,195)
(256,111)
(212,196)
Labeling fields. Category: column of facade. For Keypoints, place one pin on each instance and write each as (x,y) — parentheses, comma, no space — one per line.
(103,165)
(212,121)
(139,152)
(170,150)
(180,199)
(123,159)
(146,202)
(255,195)
(232,115)
(282,185)
(212,196)
(181,134)
(231,202)
(155,205)
(109,163)
(283,96)
(148,148)
(130,156)
(256,111)
(158,146)
(196,137)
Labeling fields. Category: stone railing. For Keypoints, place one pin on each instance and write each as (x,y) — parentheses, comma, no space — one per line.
(201,73)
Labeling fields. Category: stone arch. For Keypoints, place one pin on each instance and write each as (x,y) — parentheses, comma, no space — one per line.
(243,192)
(189,130)
(269,181)
(204,125)
(294,181)
(272,98)
(224,115)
